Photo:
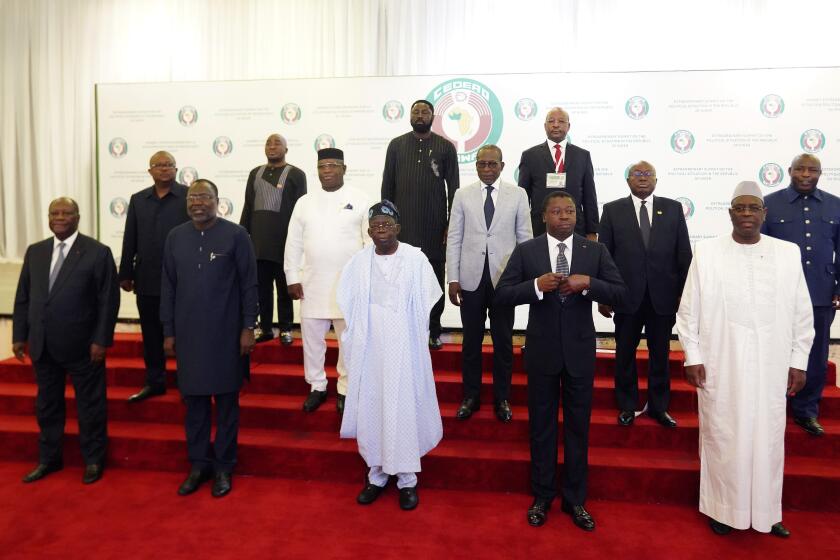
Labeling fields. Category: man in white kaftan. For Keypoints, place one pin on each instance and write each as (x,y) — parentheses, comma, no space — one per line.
(386,292)
(328,226)
(745,323)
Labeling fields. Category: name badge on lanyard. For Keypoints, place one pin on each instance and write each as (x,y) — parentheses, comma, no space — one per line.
(555,180)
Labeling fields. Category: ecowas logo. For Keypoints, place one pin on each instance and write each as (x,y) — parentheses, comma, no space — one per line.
(468,114)
(118,147)
(812,140)
(222,146)
(636,107)
(393,111)
(290,113)
(188,115)
(771,175)
(525,109)
(682,141)
(323,141)
(687,206)
(772,106)
(187,175)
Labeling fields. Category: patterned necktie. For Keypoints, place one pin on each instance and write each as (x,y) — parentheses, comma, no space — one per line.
(489,207)
(57,268)
(562,265)
(644,224)
(558,162)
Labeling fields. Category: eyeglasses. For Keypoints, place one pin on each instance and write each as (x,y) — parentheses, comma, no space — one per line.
(166,165)
(329,166)
(387,226)
(200,197)
(643,174)
(751,208)
(487,164)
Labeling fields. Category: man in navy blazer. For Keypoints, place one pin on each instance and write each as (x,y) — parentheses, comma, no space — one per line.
(65,310)
(557,164)
(560,274)
(648,238)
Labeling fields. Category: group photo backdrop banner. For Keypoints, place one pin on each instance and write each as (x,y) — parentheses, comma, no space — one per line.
(703,131)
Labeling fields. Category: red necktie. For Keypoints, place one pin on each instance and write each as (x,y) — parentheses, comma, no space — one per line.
(558,163)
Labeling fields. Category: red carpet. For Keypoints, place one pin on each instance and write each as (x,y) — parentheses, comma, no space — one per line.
(477,477)
(136,514)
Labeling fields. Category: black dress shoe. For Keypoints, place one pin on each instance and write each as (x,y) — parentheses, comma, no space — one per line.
(810,425)
(369,494)
(221,486)
(664,419)
(779,530)
(626,417)
(147,392)
(468,406)
(264,337)
(503,411)
(193,481)
(339,404)
(408,498)
(40,471)
(580,517)
(286,338)
(538,512)
(719,528)
(92,473)
(313,400)
(435,343)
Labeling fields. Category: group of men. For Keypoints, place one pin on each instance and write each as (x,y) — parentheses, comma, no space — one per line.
(375,275)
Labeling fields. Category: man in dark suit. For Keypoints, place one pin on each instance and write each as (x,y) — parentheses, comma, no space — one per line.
(152,213)
(559,274)
(65,310)
(648,239)
(556,164)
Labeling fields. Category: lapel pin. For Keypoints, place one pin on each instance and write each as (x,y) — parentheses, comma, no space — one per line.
(659,212)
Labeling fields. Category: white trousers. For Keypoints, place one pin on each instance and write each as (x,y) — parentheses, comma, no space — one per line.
(313,332)
(378,477)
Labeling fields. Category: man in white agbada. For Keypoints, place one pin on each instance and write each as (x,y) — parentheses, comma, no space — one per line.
(745,323)
(386,293)
(327,227)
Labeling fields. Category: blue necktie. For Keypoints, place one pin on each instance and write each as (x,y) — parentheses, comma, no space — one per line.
(489,207)
(58,262)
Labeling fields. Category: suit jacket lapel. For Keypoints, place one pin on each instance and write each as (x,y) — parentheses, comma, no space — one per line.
(580,254)
(630,208)
(478,202)
(500,201)
(547,157)
(70,262)
(543,258)
(42,266)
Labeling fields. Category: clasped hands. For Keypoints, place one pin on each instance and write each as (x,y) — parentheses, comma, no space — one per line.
(566,285)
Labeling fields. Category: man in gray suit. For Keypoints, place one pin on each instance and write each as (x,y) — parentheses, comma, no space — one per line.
(489,218)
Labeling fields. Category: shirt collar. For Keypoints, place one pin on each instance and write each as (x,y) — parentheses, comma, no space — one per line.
(550,143)
(553,241)
(638,201)
(172,192)
(67,242)
(792,194)
(494,184)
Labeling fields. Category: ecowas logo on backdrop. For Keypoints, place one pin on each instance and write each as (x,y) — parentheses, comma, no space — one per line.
(771,175)
(324,141)
(393,111)
(468,114)
(222,146)
(118,147)
(290,113)
(812,140)
(636,107)
(687,206)
(118,207)
(187,175)
(772,106)
(525,109)
(188,115)
(682,141)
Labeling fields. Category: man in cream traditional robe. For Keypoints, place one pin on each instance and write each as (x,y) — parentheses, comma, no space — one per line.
(746,325)
(327,227)
(386,293)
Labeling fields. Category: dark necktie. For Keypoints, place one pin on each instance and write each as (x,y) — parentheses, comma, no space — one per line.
(57,268)
(489,207)
(644,223)
(562,265)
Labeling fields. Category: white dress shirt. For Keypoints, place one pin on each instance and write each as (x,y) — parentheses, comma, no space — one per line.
(563,144)
(553,250)
(637,205)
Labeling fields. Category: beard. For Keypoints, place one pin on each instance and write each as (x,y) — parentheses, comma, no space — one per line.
(421,128)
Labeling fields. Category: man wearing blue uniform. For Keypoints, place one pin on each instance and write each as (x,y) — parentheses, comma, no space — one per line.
(810,217)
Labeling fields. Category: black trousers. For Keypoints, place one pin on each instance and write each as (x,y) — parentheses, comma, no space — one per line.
(434,317)
(221,455)
(628,332)
(543,405)
(152,329)
(89,383)
(475,306)
(269,275)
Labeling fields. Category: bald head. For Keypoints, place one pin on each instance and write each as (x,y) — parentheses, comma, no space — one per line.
(275,150)
(805,171)
(556,124)
(160,157)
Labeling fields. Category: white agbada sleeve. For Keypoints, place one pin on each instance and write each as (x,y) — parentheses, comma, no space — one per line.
(293,253)
(688,316)
(803,325)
